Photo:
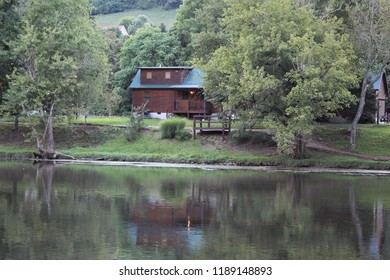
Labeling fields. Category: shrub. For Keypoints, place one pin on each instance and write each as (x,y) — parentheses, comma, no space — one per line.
(136,123)
(183,135)
(170,127)
(263,138)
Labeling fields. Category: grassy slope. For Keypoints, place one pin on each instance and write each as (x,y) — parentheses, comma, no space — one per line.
(149,147)
(111,144)
(372,139)
(156,16)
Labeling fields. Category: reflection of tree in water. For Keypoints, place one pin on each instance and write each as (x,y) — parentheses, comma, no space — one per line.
(59,221)
(373,246)
(76,213)
(174,191)
(289,216)
(3,244)
(44,180)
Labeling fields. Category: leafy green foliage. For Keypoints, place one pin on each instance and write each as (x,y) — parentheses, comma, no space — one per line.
(132,25)
(282,65)
(136,123)
(369,27)
(9,23)
(63,65)
(183,135)
(199,28)
(170,127)
(147,47)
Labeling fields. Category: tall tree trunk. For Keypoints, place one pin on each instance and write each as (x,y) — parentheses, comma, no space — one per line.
(49,132)
(299,149)
(45,141)
(362,102)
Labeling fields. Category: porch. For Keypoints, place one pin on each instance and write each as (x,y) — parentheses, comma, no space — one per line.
(191,107)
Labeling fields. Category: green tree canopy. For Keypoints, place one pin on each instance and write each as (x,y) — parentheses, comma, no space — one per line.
(147,47)
(199,28)
(9,22)
(369,28)
(61,63)
(282,65)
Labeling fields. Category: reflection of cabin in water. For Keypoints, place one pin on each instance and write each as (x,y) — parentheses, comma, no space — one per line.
(155,223)
(170,90)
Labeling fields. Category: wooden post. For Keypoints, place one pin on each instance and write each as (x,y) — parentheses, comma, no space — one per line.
(377,111)
(193,128)
(223,130)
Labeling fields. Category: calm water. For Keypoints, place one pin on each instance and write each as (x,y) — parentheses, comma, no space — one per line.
(100,212)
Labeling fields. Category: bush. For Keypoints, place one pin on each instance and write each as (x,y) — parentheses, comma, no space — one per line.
(169,128)
(263,138)
(183,135)
(136,124)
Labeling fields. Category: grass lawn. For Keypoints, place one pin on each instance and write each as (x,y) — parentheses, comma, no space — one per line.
(123,121)
(156,16)
(372,139)
(150,147)
(110,143)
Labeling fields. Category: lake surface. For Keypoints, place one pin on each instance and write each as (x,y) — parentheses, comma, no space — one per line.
(88,212)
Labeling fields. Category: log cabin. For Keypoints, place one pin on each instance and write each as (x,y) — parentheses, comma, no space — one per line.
(173,90)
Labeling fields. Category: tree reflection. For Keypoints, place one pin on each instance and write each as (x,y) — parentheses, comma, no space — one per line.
(44,180)
(373,246)
(84,212)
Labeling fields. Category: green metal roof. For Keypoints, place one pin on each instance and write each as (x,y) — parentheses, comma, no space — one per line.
(166,67)
(194,79)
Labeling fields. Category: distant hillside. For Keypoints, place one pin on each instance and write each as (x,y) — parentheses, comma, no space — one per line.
(156,16)
(114,6)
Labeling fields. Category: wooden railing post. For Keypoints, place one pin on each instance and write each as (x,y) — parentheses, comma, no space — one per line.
(194,128)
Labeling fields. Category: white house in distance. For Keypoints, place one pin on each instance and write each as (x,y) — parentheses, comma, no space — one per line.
(121,28)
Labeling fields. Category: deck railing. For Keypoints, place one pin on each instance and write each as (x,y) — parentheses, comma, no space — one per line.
(211,123)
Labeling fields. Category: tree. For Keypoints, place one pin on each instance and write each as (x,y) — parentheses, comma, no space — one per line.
(186,23)
(199,28)
(61,64)
(282,65)
(9,22)
(369,27)
(147,47)
(139,22)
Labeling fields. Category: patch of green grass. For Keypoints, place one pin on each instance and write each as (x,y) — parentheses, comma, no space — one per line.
(110,143)
(152,148)
(371,140)
(156,16)
(121,121)
(103,120)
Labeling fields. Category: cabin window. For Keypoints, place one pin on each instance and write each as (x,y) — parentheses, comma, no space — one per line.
(149,75)
(185,95)
(167,75)
(146,96)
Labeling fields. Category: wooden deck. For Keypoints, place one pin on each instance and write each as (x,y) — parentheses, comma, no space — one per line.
(206,123)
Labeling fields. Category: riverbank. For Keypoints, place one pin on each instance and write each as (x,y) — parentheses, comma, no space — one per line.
(108,145)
